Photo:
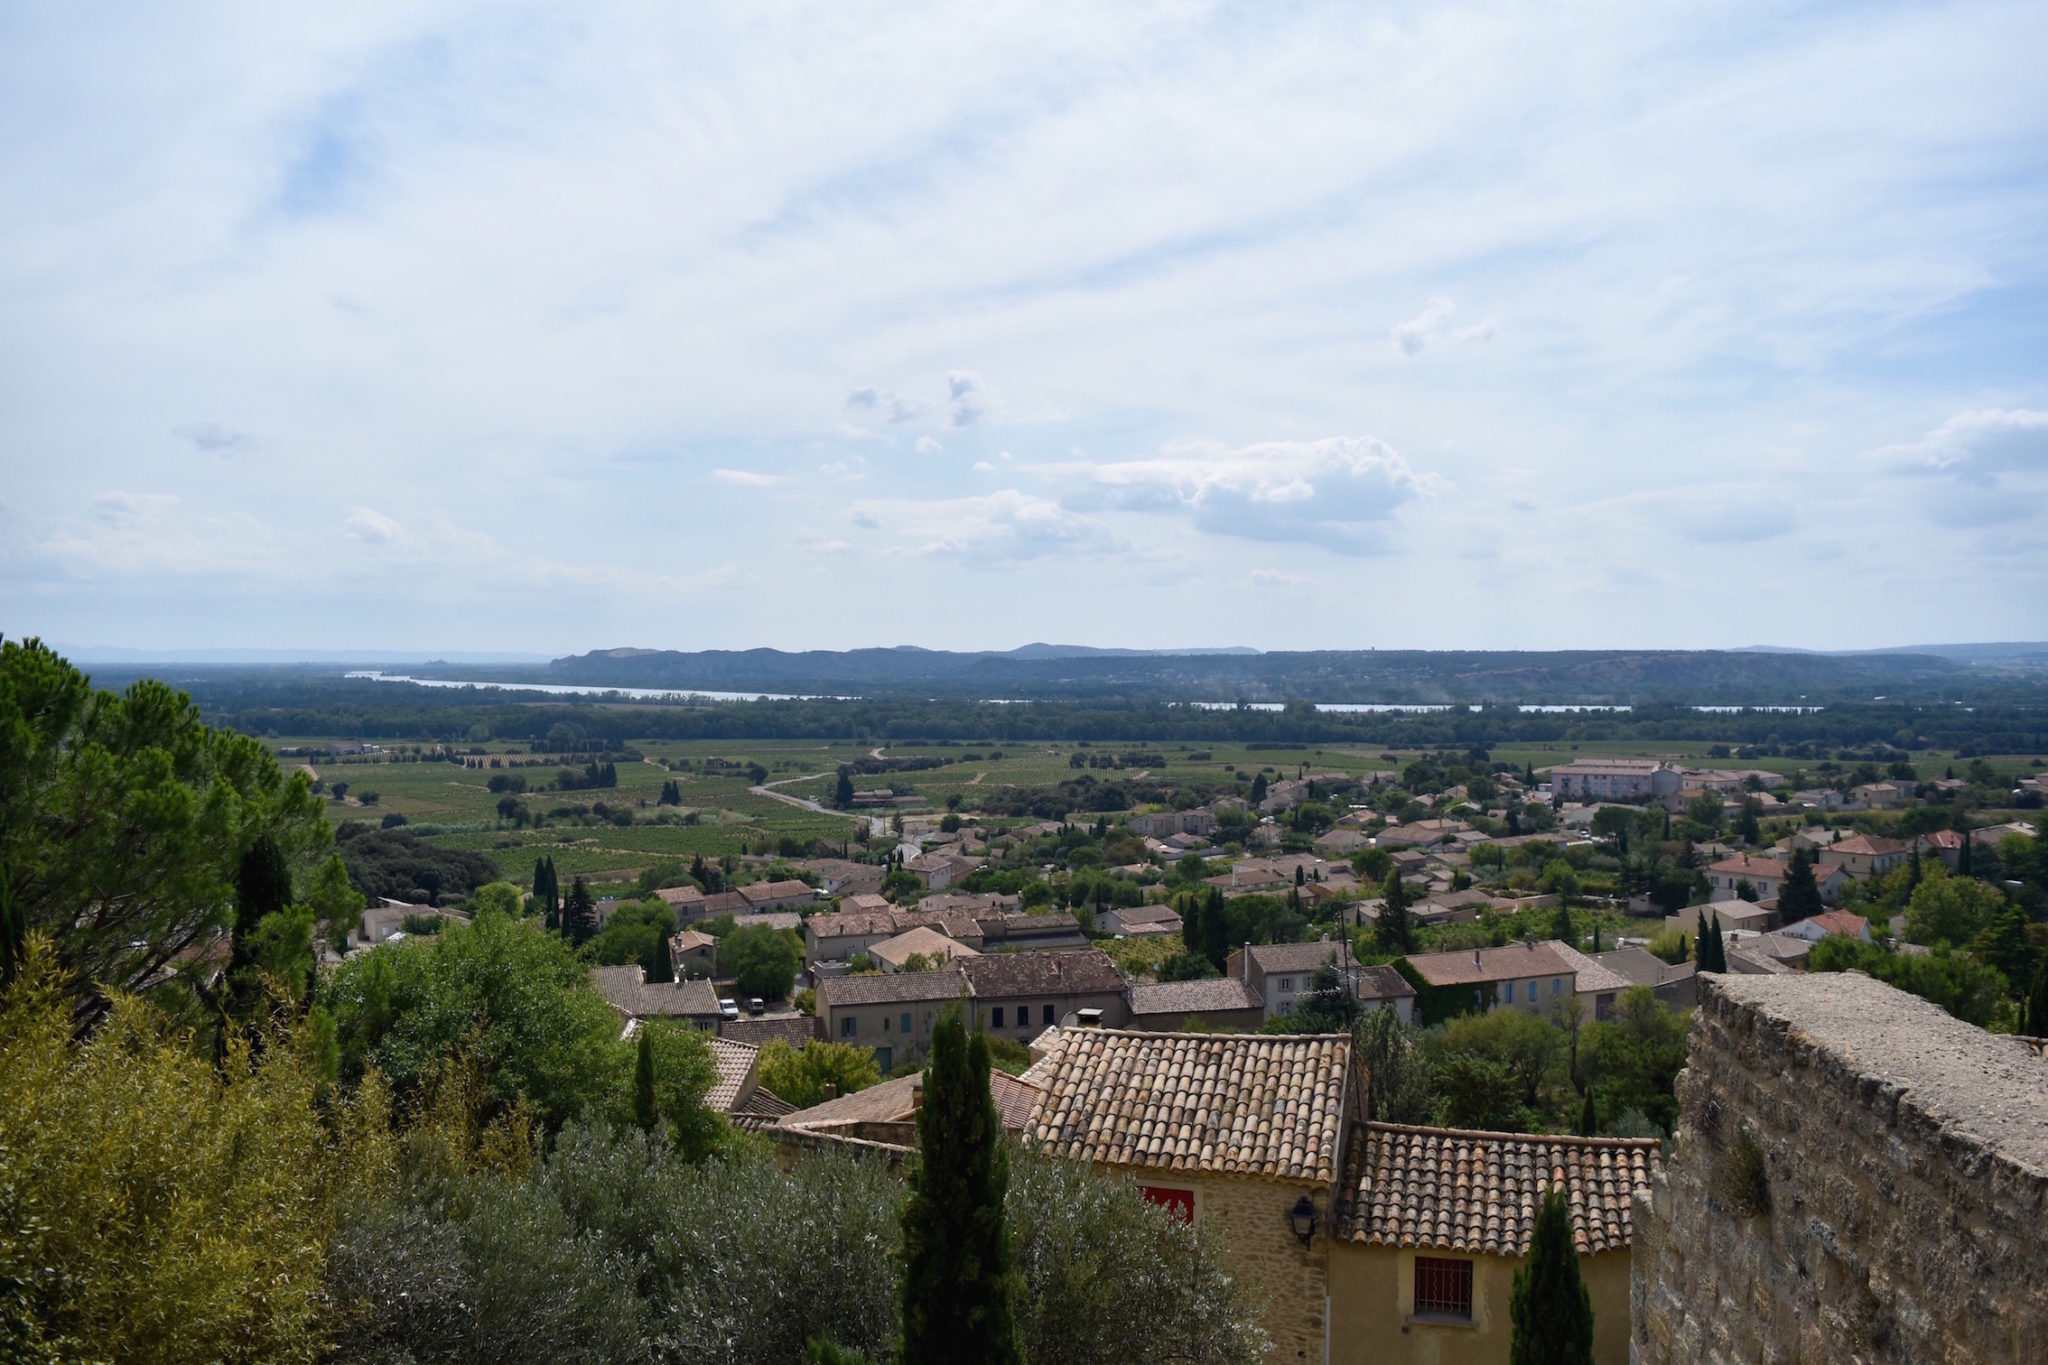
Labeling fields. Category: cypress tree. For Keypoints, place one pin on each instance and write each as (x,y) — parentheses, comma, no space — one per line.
(643,1083)
(2036,1011)
(1549,1308)
(579,914)
(1393,932)
(661,964)
(1191,924)
(1963,853)
(1913,869)
(958,1285)
(1589,1118)
(1215,930)
(1258,792)
(13,932)
(842,795)
(1596,936)
(263,886)
(1799,898)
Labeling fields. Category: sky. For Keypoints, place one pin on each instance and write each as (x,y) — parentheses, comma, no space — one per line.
(549,328)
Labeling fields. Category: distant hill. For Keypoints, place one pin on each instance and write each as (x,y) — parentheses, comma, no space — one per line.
(1725,677)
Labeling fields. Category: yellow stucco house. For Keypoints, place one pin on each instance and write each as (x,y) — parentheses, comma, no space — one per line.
(1368,1241)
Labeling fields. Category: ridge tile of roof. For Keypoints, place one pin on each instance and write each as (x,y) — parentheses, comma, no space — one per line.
(1455,1190)
(1223,1104)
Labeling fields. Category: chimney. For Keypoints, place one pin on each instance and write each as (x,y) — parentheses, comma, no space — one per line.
(1475,958)
(1247,961)
(917,1094)
(831,1091)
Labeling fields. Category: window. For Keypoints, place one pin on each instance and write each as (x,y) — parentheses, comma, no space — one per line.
(1048,1016)
(1509,997)
(995,1017)
(1286,983)
(1443,1288)
(1180,1203)
(1556,985)
(849,1027)
(906,1021)
(885,1023)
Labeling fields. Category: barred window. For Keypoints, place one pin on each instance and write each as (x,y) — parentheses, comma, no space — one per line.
(1443,1288)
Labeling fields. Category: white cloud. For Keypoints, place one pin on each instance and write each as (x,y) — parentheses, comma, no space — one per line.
(1006,527)
(965,399)
(1432,327)
(746,478)
(1978,446)
(1340,492)
(372,527)
(928,445)
(984,467)
(1275,578)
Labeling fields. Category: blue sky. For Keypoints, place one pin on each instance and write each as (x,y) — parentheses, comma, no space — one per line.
(478,327)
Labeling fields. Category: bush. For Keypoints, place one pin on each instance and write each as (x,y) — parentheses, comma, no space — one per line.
(764,960)
(800,1075)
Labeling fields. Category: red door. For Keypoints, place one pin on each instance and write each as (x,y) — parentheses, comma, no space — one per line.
(1181,1203)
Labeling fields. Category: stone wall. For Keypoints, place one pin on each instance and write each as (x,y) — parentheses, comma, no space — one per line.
(1858,1177)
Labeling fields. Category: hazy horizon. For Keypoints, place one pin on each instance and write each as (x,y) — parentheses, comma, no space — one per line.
(516,329)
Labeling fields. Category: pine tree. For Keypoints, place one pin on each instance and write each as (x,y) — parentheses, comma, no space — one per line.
(1393,933)
(13,932)
(643,1083)
(1799,897)
(1549,1308)
(959,1289)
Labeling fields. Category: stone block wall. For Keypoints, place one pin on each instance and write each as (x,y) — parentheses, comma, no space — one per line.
(1858,1177)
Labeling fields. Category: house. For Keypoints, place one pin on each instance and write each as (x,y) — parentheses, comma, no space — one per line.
(1675,984)
(737,1091)
(1524,976)
(1138,921)
(1217,1003)
(866,900)
(1018,994)
(1037,932)
(890,1014)
(1615,779)
(1735,916)
(1881,795)
(937,871)
(686,901)
(837,936)
(882,1119)
(766,896)
(1237,1130)
(1866,855)
(1160,824)
(630,993)
(841,878)
(1251,875)
(934,947)
(796,1030)
(1944,844)
(1597,985)
(1765,876)
(1283,975)
(1838,922)
(1342,843)
(1431,1226)
(694,954)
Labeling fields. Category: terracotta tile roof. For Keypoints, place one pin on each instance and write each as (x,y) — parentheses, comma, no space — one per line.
(1000,976)
(631,994)
(896,1101)
(760,1110)
(736,1063)
(1218,1103)
(1015,1098)
(1843,922)
(1299,957)
(1382,983)
(761,1032)
(1592,975)
(1214,995)
(1868,846)
(1450,1190)
(892,988)
(1511,963)
(1744,866)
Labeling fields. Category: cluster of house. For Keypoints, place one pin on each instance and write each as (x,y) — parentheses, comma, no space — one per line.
(1363,1238)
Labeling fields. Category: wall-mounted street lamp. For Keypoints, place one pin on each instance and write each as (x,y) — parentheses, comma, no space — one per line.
(1302,1218)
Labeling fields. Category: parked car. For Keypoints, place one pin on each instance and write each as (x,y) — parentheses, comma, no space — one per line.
(728,1007)
(757,1006)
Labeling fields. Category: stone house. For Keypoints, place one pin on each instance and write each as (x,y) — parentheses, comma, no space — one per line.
(1139,921)
(694,954)
(1432,1224)
(635,997)
(1283,975)
(1523,976)
(1675,984)
(1766,877)
(1615,779)
(1866,855)
(1747,916)
(1217,1003)
(782,895)
(1239,1129)
(1021,994)
(934,947)
(892,1014)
